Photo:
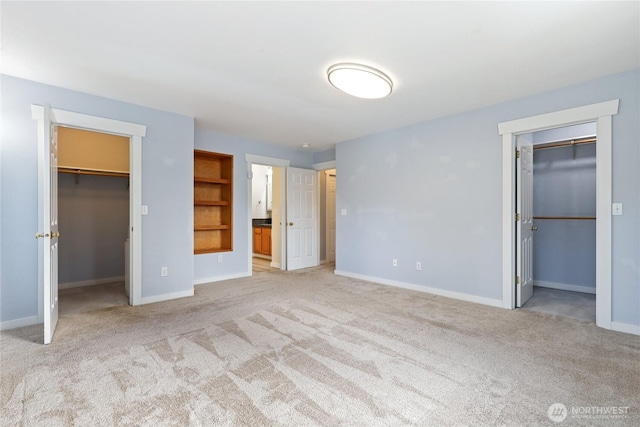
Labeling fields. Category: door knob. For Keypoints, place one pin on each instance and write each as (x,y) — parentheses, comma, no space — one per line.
(290,224)
(40,235)
(534,228)
(55,234)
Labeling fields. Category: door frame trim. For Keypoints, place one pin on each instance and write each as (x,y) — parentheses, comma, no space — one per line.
(601,114)
(135,132)
(324,165)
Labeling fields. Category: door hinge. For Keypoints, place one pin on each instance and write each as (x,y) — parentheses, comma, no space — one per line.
(517,154)
(517,280)
(517,217)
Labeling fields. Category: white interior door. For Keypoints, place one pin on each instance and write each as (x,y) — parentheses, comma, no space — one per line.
(331,217)
(49,224)
(302,218)
(524,227)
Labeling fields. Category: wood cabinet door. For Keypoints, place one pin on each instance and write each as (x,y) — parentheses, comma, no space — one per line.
(266,241)
(257,240)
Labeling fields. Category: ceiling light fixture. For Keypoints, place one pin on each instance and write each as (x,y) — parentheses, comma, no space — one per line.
(360,80)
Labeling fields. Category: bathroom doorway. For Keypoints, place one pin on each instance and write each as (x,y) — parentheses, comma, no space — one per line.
(266,205)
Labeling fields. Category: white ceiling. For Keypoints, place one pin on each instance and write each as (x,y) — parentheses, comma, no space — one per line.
(258,69)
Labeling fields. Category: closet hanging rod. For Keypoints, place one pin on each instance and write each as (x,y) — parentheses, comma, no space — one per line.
(93,172)
(580,218)
(570,142)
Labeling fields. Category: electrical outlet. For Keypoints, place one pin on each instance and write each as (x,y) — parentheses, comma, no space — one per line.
(343,212)
(145,210)
(164,271)
(394,262)
(219,258)
(418,265)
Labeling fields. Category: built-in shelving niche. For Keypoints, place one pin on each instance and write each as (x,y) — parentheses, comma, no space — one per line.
(213,202)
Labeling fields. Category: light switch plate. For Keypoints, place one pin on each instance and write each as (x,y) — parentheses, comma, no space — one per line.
(343,212)
(145,210)
(616,209)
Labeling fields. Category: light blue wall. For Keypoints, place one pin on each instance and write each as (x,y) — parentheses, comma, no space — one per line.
(324,156)
(432,192)
(429,192)
(94,214)
(206,266)
(167,188)
(564,251)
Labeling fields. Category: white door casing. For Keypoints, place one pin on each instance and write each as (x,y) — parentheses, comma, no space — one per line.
(48,212)
(601,113)
(135,132)
(302,218)
(331,217)
(524,225)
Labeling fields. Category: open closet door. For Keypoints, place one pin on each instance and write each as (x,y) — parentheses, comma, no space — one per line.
(302,218)
(48,198)
(524,226)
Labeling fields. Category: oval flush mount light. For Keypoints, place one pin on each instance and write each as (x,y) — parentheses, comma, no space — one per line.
(360,80)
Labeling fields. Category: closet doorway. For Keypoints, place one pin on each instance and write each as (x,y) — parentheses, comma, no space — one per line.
(48,121)
(563,226)
(93,211)
(601,113)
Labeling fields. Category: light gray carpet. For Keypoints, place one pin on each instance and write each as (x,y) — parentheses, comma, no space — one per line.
(91,298)
(309,348)
(576,305)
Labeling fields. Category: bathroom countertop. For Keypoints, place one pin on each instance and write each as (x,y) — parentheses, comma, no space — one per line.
(261,222)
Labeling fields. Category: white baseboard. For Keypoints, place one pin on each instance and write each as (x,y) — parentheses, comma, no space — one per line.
(167,297)
(565,287)
(626,328)
(419,288)
(221,278)
(92,282)
(18,323)
(275,264)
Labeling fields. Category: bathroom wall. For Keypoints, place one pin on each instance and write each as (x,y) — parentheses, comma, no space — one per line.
(259,191)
